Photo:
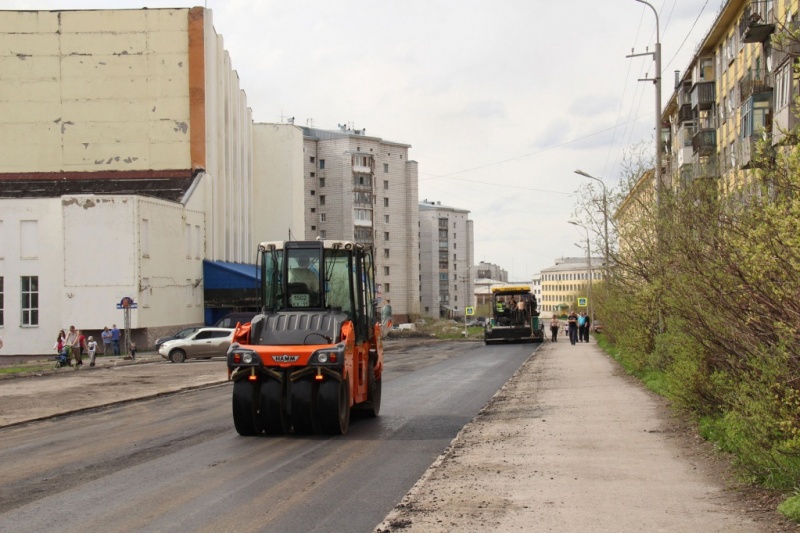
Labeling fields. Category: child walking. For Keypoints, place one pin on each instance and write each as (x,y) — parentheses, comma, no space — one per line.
(91,346)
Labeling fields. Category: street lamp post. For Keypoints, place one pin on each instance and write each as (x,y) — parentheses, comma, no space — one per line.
(589,267)
(605,221)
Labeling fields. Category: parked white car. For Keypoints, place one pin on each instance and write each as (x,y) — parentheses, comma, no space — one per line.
(204,343)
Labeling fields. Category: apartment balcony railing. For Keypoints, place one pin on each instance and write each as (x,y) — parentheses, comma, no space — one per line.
(685,113)
(757,22)
(755,82)
(704,141)
(705,167)
(703,96)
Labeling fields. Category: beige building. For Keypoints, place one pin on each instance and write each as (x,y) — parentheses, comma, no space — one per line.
(125,148)
(738,89)
(566,281)
(446,255)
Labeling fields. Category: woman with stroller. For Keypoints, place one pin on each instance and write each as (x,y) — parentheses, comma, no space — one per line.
(62,351)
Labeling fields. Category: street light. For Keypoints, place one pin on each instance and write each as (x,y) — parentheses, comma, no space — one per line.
(605,219)
(589,266)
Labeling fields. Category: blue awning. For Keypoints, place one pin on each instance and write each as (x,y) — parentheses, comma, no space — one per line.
(225,275)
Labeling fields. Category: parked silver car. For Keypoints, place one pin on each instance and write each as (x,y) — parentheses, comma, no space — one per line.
(204,343)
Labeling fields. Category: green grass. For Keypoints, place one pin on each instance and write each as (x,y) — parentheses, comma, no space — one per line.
(790,508)
(19,369)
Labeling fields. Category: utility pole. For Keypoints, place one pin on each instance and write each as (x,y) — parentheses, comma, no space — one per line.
(656,79)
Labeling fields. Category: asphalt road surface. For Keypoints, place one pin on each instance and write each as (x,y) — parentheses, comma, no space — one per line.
(175,463)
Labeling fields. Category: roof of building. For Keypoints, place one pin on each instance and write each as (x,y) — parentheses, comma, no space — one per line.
(166,185)
(572,266)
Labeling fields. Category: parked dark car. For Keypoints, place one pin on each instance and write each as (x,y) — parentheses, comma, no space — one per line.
(231,319)
(182,334)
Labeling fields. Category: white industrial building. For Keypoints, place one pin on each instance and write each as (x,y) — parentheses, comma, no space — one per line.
(126,160)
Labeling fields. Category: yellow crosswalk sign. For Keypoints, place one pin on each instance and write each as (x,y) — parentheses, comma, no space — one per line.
(470,311)
(582,302)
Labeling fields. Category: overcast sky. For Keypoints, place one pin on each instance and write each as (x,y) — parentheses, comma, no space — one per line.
(500,100)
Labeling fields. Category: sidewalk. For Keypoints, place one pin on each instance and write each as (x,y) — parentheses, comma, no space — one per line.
(570,443)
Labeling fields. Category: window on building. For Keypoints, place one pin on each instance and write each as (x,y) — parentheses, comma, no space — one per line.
(386,185)
(313,209)
(313,192)
(385,235)
(311,159)
(323,234)
(29,239)
(385,254)
(386,219)
(313,174)
(321,182)
(385,271)
(385,202)
(29,292)
(321,164)
(386,287)
(313,228)
(455,257)
(386,167)
(322,199)
(322,217)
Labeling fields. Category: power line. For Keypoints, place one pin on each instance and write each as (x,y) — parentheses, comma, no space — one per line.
(687,36)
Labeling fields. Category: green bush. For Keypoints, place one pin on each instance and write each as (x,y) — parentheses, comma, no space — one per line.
(791,508)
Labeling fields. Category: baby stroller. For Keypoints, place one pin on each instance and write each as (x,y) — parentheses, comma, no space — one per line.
(62,359)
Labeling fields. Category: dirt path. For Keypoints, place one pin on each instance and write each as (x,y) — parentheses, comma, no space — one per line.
(571,444)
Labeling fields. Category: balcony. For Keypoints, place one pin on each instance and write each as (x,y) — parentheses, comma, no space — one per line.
(685,113)
(757,22)
(749,155)
(703,95)
(704,141)
(704,168)
(755,82)
(785,126)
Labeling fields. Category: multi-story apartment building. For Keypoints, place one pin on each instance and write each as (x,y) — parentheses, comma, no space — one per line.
(738,89)
(484,270)
(446,254)
(565,282)
(364,188)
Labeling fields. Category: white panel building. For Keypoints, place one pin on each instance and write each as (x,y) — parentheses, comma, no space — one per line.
(446,255)
(365,189)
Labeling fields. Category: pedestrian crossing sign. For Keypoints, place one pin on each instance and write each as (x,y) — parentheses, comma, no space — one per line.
(582,302)
(470,311)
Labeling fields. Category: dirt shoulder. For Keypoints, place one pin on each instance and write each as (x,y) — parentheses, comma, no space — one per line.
(572,444)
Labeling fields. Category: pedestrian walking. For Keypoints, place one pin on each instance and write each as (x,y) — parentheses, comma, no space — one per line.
(133,351)
(587,328)
(581,326)
(572,323)
(91,347)
(74,344)
(115,338)
(554,325)
(105,336)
